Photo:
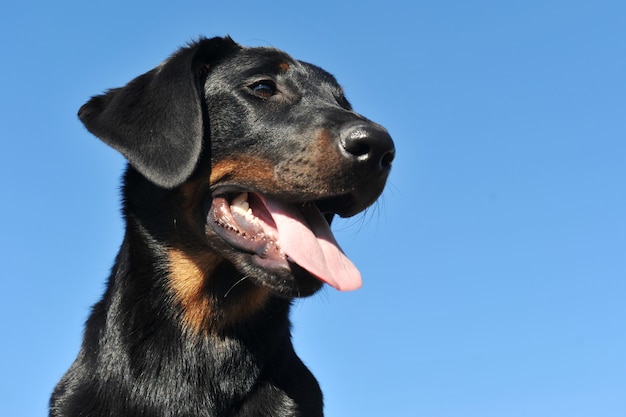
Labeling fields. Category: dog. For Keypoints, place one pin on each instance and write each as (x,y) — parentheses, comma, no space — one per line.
(238,159)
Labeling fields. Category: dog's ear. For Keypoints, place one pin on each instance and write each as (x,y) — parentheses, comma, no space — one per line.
(156,120)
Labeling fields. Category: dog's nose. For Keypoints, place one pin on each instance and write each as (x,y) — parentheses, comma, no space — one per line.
(369,144)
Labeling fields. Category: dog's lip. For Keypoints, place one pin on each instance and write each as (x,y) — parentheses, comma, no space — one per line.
(345,204)
(276,234)
(257,236)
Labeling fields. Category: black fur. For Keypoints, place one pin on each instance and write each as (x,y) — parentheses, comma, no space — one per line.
(191,325)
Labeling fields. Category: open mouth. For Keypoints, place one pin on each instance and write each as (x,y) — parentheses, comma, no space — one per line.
(276,234)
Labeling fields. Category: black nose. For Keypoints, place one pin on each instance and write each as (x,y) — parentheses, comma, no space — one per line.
(369,144)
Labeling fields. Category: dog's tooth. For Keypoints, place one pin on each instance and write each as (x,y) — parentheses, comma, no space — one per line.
(241,202)
(239,198)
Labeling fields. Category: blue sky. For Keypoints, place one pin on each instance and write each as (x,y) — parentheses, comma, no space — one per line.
(495,263)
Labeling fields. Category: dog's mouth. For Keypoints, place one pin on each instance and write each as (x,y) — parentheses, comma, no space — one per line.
(278,234)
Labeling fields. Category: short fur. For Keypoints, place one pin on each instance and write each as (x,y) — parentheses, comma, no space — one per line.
(190,324)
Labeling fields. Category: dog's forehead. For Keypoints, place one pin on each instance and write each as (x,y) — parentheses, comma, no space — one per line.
(259,61)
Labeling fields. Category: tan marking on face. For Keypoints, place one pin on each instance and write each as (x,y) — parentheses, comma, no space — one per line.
(327,156)
(316,169)
(283,66)
(244,170)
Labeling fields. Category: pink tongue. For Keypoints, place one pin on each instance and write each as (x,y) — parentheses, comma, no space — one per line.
(310,243)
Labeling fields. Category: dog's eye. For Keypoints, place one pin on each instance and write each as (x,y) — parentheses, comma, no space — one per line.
(264,89)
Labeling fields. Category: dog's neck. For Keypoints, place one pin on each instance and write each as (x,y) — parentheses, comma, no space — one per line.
(194,361)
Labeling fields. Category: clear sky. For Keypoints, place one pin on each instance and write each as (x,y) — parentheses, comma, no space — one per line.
(494,265)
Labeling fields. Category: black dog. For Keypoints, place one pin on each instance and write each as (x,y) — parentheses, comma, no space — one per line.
(238,160)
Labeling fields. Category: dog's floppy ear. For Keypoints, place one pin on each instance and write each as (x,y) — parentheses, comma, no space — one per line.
(156,120)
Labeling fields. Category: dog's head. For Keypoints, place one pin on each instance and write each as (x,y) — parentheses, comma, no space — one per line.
(252,154)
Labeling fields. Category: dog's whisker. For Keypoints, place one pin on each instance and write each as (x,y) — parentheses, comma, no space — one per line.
(235,284)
